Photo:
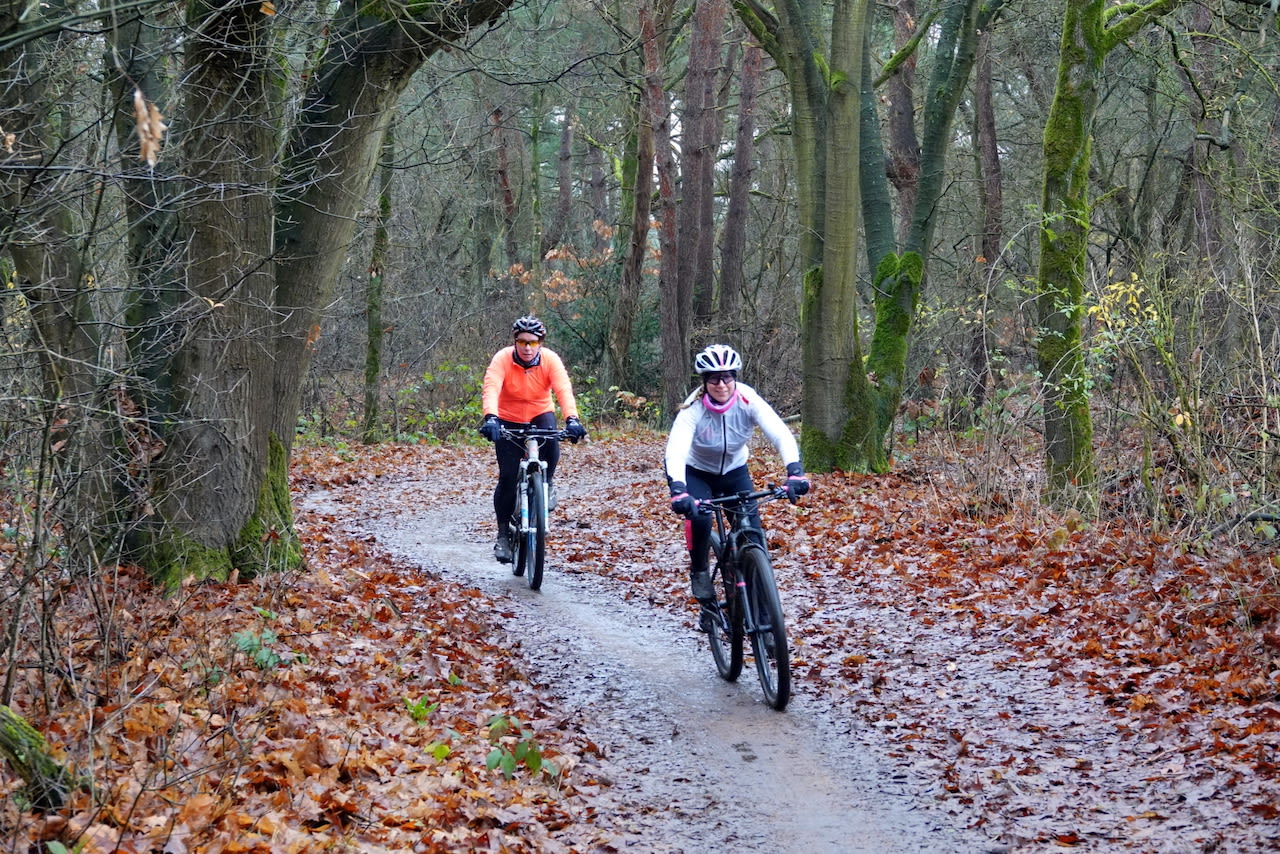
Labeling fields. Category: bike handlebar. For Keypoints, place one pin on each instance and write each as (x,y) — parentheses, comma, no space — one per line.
(519,434)
(768,494)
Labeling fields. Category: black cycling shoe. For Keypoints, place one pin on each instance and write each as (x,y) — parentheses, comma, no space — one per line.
(502,550)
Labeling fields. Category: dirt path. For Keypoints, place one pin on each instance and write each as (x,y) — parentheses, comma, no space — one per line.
(921,720)
(695,762)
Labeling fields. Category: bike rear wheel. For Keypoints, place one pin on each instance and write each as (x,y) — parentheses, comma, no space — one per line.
(536,536)
(768,632)
(725,636)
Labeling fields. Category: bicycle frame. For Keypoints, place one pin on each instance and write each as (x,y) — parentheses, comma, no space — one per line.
(532,461)
(752,608)
(531,514)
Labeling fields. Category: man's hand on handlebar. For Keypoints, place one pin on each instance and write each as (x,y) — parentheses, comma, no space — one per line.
(574,430)
(491,428)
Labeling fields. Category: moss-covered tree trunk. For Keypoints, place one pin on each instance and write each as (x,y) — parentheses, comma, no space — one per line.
(848,405)
(899,269)
(821,58)
(636,199)
(1089,32)
(48,782)
(248,248)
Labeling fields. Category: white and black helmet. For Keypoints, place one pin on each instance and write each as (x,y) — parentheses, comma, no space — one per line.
(529,324)
(717,357)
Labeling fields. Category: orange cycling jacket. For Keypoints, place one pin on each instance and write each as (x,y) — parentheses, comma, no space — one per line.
(516,393)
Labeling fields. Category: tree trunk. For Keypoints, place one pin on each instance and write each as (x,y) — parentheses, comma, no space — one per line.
(674,302)
(596,195)
(824,132)
(559,225)
(503,186)
(898,276)
(1087,37)
(262,266)
(637,194)
(976,371)
(903,161)
(699,143)
(733,244)
(373,294)
(40,234)
(47,782)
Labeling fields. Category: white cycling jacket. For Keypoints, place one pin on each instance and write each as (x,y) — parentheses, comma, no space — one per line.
(714,438)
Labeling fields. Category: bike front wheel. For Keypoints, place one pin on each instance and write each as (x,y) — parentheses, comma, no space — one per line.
(726,633)
(516,531)
(536,535)
(768,631)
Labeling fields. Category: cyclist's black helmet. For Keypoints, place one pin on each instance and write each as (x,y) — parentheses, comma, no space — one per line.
(529,324)
(717,357)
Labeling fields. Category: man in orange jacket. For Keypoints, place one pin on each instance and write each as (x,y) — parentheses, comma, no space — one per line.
(517,391)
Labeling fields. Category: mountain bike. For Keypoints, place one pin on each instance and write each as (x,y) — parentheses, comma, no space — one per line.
(528,525)
(751,607)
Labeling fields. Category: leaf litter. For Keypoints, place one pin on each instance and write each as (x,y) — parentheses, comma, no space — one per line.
(1041,683)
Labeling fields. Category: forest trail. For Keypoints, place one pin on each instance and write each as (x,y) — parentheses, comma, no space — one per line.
(957,685)
(694,761)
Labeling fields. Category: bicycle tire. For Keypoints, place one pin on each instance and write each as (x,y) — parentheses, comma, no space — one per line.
(536,536)
(725,638)
(769,632)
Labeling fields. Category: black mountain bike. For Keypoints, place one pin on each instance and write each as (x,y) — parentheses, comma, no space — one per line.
(751,606)
(528,525)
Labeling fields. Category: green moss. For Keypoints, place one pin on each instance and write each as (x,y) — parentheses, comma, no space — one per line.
(23,746)
(266,543)
(898,282)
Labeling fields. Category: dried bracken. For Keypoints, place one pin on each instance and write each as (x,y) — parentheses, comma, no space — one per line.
(151,128)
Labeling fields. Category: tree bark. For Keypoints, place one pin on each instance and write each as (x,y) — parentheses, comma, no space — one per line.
(733,244)
(903,161)
(1087,36)
(699,143)
(373,294)
(48,782)
(674,302)
(637,195)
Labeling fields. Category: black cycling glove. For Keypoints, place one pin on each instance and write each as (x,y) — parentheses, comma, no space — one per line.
(797,483)
(490,428)
(682,502)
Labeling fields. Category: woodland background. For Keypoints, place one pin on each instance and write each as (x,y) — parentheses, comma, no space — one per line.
(231,229)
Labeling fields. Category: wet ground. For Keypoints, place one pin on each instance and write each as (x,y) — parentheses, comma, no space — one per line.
(695,762)
(914,726)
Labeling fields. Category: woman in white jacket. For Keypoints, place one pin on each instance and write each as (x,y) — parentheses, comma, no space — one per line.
(706,454)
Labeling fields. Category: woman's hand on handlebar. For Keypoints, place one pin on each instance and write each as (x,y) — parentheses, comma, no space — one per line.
(682,503)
